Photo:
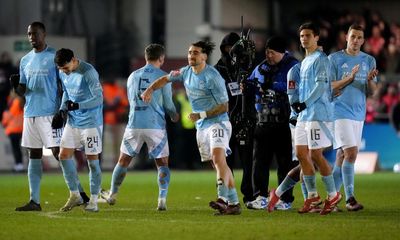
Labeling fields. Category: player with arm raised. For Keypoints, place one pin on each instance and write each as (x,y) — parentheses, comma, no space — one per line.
(209,100)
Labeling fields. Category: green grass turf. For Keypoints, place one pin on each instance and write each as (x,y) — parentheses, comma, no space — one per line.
(188,216)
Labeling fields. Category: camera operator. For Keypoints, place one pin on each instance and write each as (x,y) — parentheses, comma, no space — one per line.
(229,71)
(272,137)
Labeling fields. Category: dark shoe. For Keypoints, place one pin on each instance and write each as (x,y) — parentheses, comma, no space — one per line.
(84,197)
(233,210)
(219,205)
(30,206)
(353,205)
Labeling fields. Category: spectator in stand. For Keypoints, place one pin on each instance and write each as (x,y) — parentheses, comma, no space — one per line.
(115,112)
(6,69)
(391,98)
(13,123)
(372,105)
(376,42)
(392,57)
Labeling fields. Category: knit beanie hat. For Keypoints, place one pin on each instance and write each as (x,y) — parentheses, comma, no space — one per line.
(229,40)
(276,43)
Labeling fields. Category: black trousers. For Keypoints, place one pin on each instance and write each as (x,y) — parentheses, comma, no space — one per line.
(245,154)
(272,141)
(15,139)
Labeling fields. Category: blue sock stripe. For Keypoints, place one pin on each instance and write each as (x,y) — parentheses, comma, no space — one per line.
(223,191)
(70,174)
(118,176)
(34,178)
(233,196)
(286,184)
(304,190)
(310,183)
(94,176)
(329,183)
(337,177)
(163,182)
(348,178)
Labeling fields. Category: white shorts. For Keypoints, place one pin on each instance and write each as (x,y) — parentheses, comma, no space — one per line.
(314,134)
(215,136)
(88,138)
(348,133)
(37,132)
(155,139)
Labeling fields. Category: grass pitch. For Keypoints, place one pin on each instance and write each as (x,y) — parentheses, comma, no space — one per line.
(188,216)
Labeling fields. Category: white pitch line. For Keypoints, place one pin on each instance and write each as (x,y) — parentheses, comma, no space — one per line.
(91,216)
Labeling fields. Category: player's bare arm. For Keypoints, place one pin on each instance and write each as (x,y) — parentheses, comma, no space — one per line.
(159,83)
(342,83)
(370,81)
(219,109)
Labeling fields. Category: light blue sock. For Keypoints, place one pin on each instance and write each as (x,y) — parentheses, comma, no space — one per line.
(311,185)
(285,185)
(337,177)
(348,178)
(163,181)
(94,176)
(233,196)
(304,190)
(222,190)
(329,185)
(34,178)
(70,174)
(80,188)
(118,176)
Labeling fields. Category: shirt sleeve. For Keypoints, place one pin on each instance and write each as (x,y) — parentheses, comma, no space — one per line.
(321,79)
(218,89)
(293,77)
(167,100)
(176,75)
(333,69)
(22,77)
(96,91)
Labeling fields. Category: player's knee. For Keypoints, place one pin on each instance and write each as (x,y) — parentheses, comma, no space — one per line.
(124,160)
(63,155)
(35,153)
(350,154)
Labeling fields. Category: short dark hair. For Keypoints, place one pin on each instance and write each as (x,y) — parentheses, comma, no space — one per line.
(356,27)
(311,26)
(38,25)
(63,56)
(206,46)
(154,51)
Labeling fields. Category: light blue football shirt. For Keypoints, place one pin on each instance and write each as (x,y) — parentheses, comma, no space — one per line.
(205,90)
(351,103)
(152,115)
(83,87)
(315,69)
(39,72)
